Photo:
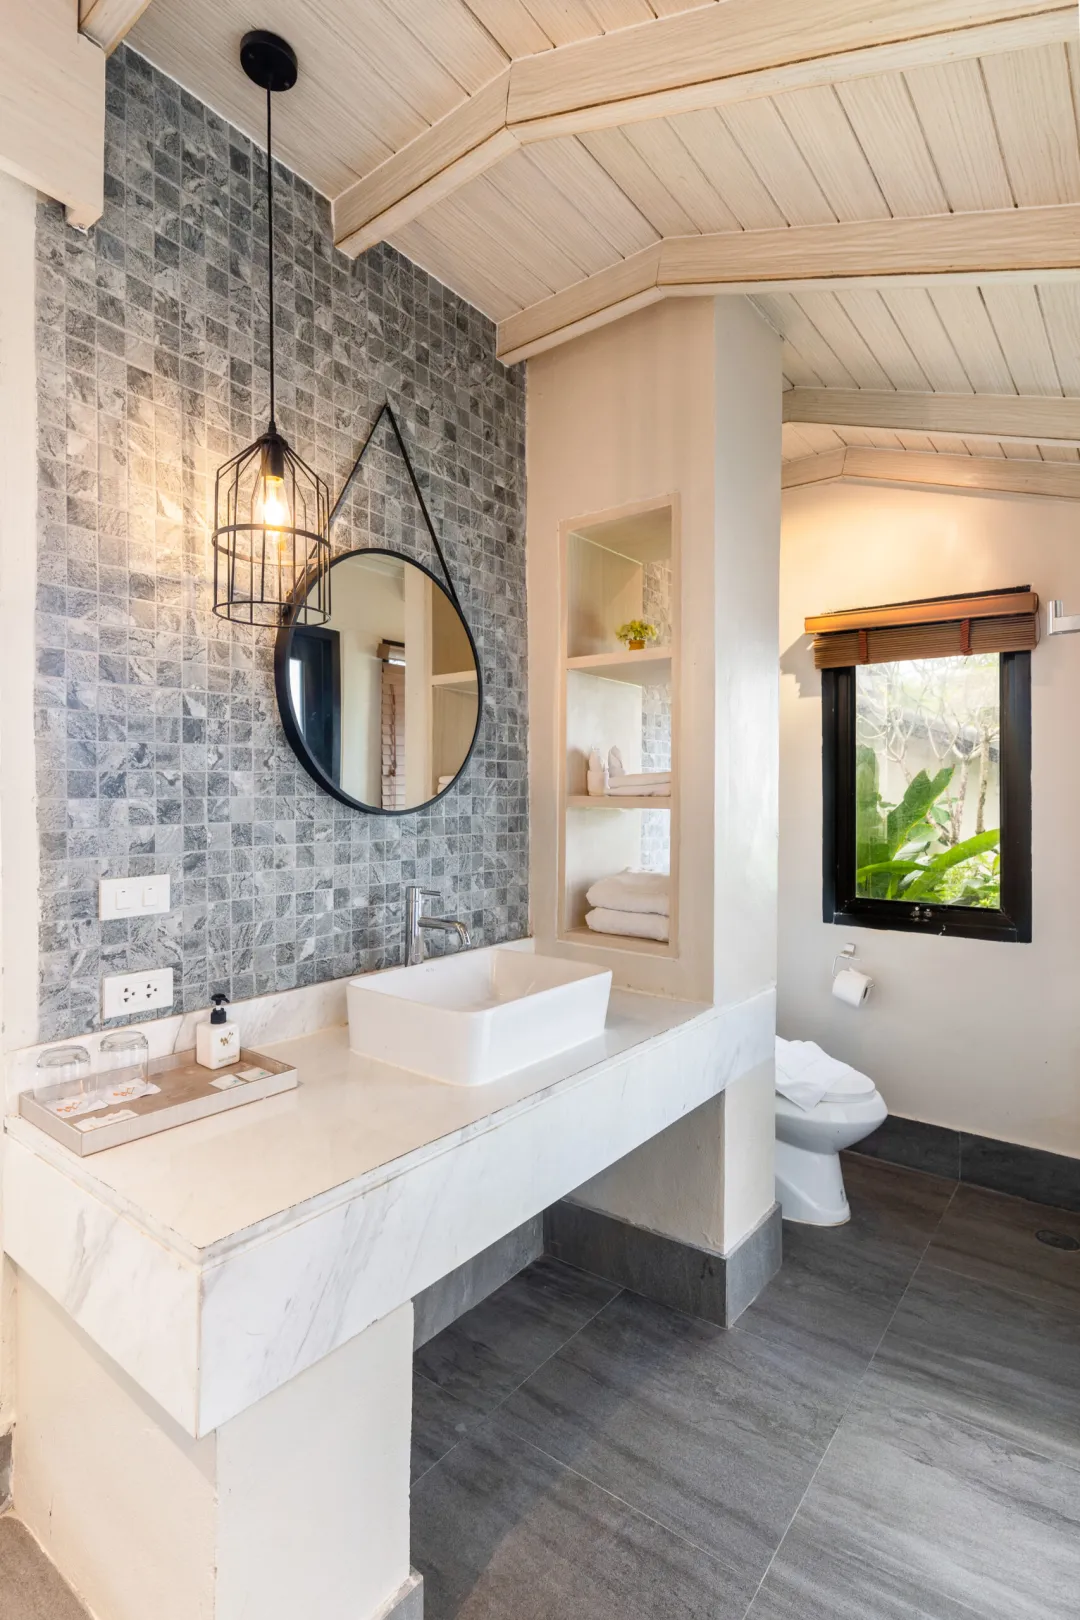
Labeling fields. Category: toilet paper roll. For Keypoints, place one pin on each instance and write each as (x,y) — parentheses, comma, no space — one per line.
(851,987)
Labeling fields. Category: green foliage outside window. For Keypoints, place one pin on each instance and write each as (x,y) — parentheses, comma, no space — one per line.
(928,844)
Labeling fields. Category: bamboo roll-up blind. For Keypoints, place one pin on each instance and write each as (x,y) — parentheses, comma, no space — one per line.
(937,627)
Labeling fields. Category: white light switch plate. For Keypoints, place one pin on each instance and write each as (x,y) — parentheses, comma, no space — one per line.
(133,897)
(123,994)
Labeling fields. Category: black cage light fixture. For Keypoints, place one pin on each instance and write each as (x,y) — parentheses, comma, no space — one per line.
(271,511)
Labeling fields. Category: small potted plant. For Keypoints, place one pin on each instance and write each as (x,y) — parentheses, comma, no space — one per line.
(635,633)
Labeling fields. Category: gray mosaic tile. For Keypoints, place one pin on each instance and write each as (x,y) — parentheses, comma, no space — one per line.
(158,743)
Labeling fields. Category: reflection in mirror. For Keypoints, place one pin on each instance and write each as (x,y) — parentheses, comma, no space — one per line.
(381,703)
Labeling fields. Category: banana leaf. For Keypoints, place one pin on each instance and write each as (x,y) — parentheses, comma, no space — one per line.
(914,807)
(981,844)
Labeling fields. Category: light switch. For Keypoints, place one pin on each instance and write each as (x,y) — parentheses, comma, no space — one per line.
(133,897)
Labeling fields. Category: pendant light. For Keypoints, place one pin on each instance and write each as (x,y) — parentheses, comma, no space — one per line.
(271,512)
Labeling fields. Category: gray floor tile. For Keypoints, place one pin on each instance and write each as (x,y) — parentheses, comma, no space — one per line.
(30,1588)
(490,1350)
(991,1237)
(812,1582)
(502,1532)
(990,1356)
(946,1509)
(714,1433)
(438,1422)
(839,1285)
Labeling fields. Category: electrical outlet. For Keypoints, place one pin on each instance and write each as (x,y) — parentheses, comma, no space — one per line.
(133,897)
(123,994)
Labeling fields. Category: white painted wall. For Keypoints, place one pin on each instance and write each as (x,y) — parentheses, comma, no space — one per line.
(19,904)
(978,1036)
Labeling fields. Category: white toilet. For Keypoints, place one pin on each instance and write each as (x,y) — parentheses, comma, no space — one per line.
(809,1181)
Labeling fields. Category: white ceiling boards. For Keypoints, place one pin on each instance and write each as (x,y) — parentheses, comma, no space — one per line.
(896,184)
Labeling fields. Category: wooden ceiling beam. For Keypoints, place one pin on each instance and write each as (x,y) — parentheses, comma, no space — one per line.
(469,140)
(52,106)
(925,469)
(1026,419)
(701,58)
(780,44)
(107,21)
(1027,244)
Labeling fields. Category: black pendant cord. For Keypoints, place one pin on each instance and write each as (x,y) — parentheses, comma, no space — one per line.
(270,240)
(388,410)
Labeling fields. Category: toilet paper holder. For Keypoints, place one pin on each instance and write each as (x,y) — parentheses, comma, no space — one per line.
(846,960)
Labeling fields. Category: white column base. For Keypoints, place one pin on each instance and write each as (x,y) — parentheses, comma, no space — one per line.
(298,1506)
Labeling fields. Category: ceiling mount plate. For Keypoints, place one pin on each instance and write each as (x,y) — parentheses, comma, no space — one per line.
(268,60)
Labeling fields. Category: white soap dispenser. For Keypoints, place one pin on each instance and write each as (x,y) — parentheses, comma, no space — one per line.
(217,1042)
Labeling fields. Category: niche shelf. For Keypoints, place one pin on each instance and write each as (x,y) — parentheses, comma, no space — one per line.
(644,668)
(618,801)
(618,566)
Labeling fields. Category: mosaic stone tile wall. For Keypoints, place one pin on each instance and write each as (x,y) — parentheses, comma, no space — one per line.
(159,746)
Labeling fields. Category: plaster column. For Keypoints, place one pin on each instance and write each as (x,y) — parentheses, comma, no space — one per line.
(19,904)
(297,1506)
(690,1217)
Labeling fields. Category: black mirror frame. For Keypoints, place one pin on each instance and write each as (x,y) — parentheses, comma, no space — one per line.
(282,648)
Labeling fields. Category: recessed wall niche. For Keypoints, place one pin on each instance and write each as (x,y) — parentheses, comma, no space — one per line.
(159,747)
(619,567)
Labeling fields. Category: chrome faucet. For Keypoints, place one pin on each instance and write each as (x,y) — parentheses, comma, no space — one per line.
(416,922)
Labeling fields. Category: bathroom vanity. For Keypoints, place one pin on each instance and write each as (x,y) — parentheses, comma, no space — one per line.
(215,1324)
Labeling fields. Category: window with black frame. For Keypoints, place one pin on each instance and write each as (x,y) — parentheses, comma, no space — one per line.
(927,764)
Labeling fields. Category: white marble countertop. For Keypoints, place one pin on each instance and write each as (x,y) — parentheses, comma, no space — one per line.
(206,1187)
(216,1261)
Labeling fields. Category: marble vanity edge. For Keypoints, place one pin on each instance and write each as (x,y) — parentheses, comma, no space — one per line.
(82,1173)
(276,1308)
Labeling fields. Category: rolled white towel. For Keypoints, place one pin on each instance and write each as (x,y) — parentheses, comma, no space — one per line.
(597,774)
(641,893)
(637,924)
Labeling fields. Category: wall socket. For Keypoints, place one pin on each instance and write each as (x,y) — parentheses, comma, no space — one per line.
(124,994)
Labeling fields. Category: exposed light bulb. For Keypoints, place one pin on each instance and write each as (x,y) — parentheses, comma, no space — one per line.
(273,503)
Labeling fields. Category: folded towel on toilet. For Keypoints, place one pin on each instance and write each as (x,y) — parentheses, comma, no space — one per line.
(638,924)
(805,1074)
(635,891)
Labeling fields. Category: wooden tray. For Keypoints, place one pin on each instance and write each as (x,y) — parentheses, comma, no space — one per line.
(186,1092)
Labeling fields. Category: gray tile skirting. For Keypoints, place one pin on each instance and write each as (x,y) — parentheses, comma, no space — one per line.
(1005,1167)
(473,1281)
(698,1282)
(407,1602)
(5,1469)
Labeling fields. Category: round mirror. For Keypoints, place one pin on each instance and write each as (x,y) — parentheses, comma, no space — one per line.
(382,702)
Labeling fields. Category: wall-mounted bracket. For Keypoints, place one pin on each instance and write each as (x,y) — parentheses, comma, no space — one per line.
(1058,623)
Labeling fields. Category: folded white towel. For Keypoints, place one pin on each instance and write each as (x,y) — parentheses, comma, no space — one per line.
(638,924)
(805,1074)
(643,893)
(598,784)
(627,789)
(633,779)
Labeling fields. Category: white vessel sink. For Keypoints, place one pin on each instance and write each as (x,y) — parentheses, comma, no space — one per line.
(478,1015)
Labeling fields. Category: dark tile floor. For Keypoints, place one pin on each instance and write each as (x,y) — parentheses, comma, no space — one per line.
(891,1432)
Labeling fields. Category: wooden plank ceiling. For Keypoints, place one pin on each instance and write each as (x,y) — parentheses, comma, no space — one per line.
(894,187)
